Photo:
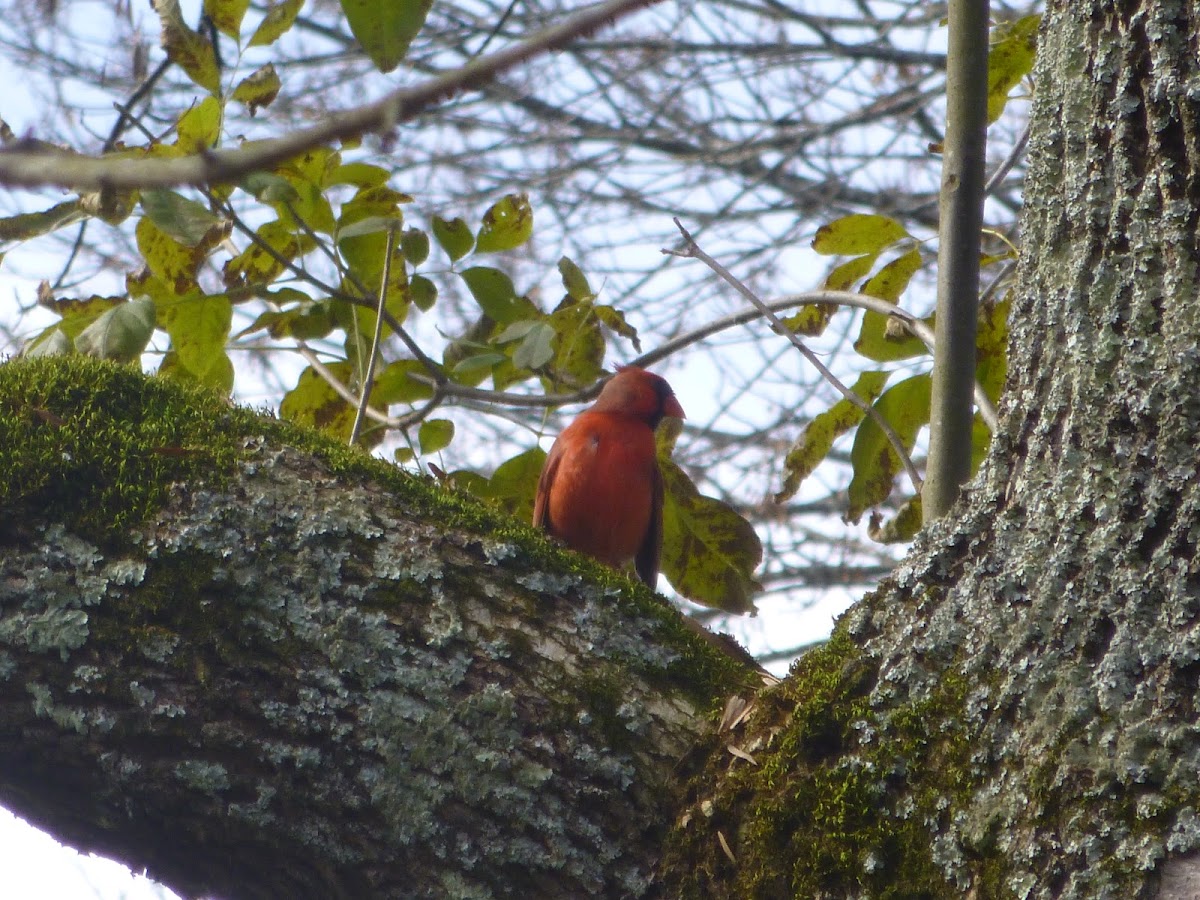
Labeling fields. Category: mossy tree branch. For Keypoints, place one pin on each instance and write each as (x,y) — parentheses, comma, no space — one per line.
(293,671)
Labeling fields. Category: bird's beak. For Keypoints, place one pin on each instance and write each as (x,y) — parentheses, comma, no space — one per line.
(671,407)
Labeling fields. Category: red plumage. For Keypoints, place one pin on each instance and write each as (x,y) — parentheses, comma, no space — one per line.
(601,490)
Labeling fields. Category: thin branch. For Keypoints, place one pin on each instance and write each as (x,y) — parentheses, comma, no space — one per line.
(1009,161)
(368,379)
(80,172)
(826,298)
(693,251)
(393,422)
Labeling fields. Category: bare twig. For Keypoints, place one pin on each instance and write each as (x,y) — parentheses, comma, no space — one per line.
(1018,150)
(368,378)
(914,325)
(828,298)
(393,422)
(692,250)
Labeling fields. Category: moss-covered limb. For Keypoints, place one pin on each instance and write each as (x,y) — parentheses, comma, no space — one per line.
(838,800)
(294,671)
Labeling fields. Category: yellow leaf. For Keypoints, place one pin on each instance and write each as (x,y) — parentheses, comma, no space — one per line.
(857,234)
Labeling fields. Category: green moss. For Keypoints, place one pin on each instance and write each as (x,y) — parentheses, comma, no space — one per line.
(98,445)
(844,802)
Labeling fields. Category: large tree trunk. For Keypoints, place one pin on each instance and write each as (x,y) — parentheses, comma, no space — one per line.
(1014,713)
(286,679)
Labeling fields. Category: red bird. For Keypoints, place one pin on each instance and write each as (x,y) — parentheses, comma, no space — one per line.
(601,491)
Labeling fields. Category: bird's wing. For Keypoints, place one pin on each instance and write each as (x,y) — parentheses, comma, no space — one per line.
(541,504)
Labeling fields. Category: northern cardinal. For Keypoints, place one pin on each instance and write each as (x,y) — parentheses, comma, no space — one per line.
(601,490)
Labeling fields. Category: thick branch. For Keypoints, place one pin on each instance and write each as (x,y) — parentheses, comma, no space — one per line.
(80,172)
(295,681)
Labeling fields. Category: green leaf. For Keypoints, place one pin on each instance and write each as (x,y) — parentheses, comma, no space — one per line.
(513,485)
(494,292)
(465,481)
(613,319)
(709,551)
(258,89)
(369,225)
(435,435)
(843,276)
(890,281)
(307,321)
(309,210)
(257,265)
(188,49)
(811,319)
(362,241)
(422,292)
(981,440)
(505,374)
(200,127)
(227,15)
(359,174)
(269,187)
(904,406)
(1013,49)
(857,234)
(276,22)
(174,263)
(875,340)
(122,333)
(579,348)
(454,236)
(185,221)
(516,331)
(395,383)
(536,348)
(199,329)
(574,281)
(476,363)
(817,439)
(218,377)
(24,226)
(508,224)
(84,311)
(415,244)
(385,29)
(54,342)
(315,404)
(901,527)
(991,348)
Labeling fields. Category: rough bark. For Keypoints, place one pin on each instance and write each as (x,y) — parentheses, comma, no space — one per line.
(1015,712)
(291,679)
